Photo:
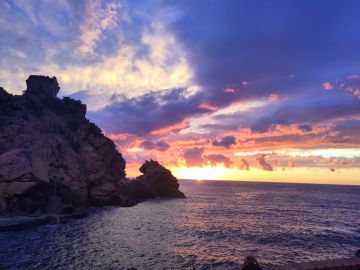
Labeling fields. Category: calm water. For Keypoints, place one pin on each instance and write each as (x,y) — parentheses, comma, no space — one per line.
(214,228)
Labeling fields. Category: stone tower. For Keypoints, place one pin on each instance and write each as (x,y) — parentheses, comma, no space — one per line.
(42,85)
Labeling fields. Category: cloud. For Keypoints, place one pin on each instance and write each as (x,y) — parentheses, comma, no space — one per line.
(356,93)
(291,164)
(311,112)
(229,90)
(305,128)
(244,165)
(327,86)
(215,159)
(148,113)
(276,98)
(354,77)
(226,141)
(117,48)
(194,157)
(160,145)
(117,137)
(263,164)
(96,19)
(213,53)
(207,106)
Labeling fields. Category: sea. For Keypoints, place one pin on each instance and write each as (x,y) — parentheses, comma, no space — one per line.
(215,227)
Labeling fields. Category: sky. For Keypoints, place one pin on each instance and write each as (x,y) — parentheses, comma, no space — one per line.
(230,90)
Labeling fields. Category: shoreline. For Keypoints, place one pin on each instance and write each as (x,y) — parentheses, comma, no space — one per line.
(19,223)
(352,263)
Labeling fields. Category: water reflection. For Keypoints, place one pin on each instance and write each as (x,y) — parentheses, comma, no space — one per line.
(214,227)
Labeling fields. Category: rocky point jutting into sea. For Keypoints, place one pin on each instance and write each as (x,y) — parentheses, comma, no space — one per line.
(55,161)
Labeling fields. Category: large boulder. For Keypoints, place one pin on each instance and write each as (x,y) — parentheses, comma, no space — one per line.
(156,181)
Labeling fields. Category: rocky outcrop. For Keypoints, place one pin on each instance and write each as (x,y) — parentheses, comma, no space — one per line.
(54,160)
(155,181)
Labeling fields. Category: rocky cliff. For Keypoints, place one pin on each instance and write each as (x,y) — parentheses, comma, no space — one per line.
(54,160)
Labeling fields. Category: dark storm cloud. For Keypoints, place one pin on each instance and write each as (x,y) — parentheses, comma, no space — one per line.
(160,145)
(226,141)
(149,112)
(268,43)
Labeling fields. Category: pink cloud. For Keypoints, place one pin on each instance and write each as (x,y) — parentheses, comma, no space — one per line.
(244,165)
(327,86)
(118,136)
(263,164)
(276,98)
(208,106)
(215,159)
(356,93)
(354,77)
(229,90)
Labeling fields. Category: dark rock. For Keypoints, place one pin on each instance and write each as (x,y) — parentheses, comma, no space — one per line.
(156,181)
(250,263)
(104,193)
(53,219)
(56,205)
(21,223)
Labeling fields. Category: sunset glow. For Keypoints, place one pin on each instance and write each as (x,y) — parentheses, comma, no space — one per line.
(236,98)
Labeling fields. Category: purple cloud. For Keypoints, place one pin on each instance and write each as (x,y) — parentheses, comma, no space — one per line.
(263,164)
(160,145)
(194,157)
(149,112)
(215,159)
(226,141)
(244,165)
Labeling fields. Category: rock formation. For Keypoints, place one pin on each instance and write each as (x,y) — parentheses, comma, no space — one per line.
(156,181)
(54,160)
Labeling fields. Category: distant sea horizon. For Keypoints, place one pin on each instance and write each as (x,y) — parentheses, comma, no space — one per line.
(271,182)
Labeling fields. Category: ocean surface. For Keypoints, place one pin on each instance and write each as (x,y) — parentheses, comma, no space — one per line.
(215,227)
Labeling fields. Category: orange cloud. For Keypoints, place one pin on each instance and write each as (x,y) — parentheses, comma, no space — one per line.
(276,98)
(118,136)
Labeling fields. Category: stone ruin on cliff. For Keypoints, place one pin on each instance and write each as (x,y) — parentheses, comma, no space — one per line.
(42,85)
